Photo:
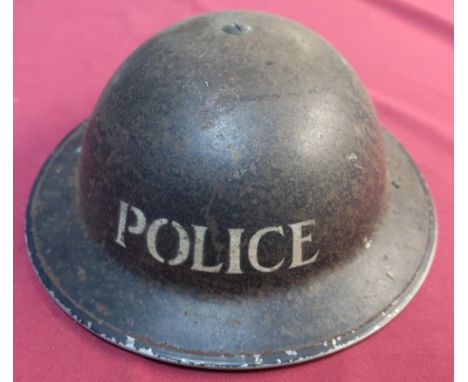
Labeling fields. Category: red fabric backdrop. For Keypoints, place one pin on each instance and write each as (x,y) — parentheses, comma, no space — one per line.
(403,50)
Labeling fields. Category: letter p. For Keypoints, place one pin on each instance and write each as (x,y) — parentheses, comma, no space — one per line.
(136,229)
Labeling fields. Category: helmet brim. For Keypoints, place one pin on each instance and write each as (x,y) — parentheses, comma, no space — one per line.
(290,323)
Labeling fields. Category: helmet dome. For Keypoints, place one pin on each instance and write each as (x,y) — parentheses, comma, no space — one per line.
(235,143)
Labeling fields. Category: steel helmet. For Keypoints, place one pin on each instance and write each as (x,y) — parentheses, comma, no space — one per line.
(232,202)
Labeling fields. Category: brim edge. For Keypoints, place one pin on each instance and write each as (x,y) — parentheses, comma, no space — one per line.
(243,361)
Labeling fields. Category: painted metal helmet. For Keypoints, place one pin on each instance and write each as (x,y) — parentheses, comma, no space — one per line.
(232,202)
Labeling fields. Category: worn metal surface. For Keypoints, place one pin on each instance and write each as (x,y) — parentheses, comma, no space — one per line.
(232,202)
(245,131)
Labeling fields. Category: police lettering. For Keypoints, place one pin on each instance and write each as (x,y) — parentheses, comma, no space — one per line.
(199,233)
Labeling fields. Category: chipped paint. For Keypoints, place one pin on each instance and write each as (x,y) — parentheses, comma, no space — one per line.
(258,359)
(66,309)
(352,157)
(367,243)
(130,343)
